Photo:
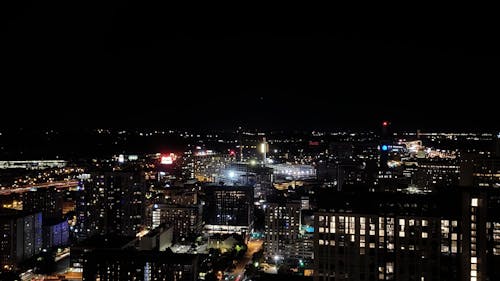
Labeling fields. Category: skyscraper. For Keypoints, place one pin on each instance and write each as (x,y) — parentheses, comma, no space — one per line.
(21,234)
(111,202)
(282,229)
(46,200)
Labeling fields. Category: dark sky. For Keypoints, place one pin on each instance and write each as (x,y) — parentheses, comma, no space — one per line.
(127,64)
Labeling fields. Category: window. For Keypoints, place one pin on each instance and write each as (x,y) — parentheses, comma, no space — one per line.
(474,202)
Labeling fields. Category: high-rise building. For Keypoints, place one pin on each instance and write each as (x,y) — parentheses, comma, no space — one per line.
(111,202)
(390,236)
(46,200)
(228,209)
(89,214)
(55,233)
(282,229)
(21,234)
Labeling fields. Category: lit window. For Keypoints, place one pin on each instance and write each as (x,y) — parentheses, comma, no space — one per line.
(474,202)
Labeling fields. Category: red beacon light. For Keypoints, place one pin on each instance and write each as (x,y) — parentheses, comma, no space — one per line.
(385,123)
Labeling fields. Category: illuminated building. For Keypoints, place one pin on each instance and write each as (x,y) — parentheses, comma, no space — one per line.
(205,165)
(186,220)
(181,196)
(290,171)
(390,236)
(228,209)
(282,227)
(487,173)
(433,173)
(46,200)
(21,234)
(111,202)
(480,170)
(55,233)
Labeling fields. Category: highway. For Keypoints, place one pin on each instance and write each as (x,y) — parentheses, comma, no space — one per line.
(56,184)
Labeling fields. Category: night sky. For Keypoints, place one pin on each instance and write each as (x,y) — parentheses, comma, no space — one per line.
(125,64)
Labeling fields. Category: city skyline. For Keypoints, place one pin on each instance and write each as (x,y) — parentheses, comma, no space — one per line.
(150,142)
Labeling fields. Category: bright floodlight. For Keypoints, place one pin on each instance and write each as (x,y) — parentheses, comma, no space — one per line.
(232,174)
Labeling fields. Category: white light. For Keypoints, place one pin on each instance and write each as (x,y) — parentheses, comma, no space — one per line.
(166,160)
(232,174)
(474,202)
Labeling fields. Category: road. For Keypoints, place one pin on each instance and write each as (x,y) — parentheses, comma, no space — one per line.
(253,246)
(56,184)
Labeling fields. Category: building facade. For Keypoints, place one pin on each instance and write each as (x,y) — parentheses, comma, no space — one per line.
(21,234)
(282,230)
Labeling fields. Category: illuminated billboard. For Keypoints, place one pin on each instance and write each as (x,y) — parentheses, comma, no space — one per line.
(168,159)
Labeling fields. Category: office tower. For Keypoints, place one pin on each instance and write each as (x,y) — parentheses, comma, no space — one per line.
(21,234)
(46,200)
(228,209)
(282,227)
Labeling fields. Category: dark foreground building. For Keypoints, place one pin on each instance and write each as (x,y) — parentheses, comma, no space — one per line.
(111,265)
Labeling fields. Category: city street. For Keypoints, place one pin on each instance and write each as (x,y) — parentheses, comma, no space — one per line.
(253,246)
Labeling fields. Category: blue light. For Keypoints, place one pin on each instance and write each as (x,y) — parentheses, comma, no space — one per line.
(384,147)
(309,229)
